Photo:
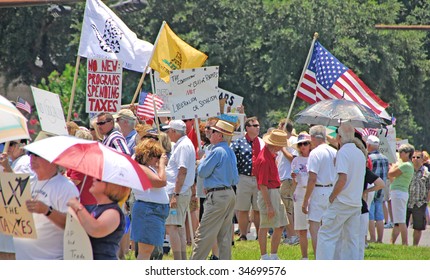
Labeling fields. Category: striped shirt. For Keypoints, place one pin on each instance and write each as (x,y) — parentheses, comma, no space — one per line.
(116,140)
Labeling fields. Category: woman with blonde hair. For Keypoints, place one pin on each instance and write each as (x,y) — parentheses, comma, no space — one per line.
(151,208)
(105,222)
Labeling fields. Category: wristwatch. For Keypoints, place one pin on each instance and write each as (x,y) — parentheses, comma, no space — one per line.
(176,194)
(49,211)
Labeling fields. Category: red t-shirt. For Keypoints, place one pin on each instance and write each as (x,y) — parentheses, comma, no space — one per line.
(266,171)
(193,137)
(86,197)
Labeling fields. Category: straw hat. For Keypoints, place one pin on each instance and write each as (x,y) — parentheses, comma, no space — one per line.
(224,127)
(276,137)
(303,137)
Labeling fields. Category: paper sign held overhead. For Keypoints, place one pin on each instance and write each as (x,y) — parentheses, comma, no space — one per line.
(232,100)
(194,93)
(104,85)
(162,89)
(50,111)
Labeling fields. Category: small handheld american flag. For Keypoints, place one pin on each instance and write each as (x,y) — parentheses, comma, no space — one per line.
(23,104)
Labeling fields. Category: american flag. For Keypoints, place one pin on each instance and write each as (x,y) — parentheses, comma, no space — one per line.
(327,78)
(145,109)
(21,103)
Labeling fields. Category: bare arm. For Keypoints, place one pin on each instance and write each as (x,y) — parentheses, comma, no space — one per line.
(38,207)
(312,180)
(266,198)
(338,187)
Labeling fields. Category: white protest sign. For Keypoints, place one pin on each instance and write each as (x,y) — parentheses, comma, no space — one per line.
(50,111)
(387,143)
(76,244)
(401,142)
(162,89)
(194,93)
(15,219)
(232,100)
(104,85)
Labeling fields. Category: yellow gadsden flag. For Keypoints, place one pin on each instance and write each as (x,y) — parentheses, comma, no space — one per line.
(172,53)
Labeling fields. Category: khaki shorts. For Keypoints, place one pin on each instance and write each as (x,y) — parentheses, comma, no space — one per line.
(287,191)
(178,217)
(246,193)
(280,219)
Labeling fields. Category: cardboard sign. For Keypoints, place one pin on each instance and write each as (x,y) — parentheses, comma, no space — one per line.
(77,245)
(232,100)
(104,85)
(162,89)
(50,111)
(15,219)
(194,93)
(387,143)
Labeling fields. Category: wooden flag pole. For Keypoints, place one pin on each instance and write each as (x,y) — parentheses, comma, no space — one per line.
(139,86)
(157,123)
(72,96)
(303,73)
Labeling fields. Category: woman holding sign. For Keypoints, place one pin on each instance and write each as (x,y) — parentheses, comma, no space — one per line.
(105,223)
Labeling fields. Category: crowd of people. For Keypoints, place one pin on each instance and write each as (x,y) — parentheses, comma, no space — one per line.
(341,192)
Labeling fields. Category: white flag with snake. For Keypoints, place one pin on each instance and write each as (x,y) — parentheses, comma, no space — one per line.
(105,36)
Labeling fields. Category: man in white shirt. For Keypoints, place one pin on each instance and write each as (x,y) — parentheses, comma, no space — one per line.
(322,175)
(180,175)
(342,217)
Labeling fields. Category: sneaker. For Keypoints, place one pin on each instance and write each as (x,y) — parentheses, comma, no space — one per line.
(274,257)
(294,240)
(242,238)
(389,225)
(213,257)
(305,259)
(237,232)
(265,257)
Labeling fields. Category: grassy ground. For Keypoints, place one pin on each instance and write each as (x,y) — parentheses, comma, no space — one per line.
(249,250)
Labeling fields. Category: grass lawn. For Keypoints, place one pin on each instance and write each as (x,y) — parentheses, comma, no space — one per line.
(249,250)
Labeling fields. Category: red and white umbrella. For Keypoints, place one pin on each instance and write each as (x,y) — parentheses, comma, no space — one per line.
(93,159)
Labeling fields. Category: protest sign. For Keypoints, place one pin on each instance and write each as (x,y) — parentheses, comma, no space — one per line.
(232,100)
(194,93)
(76,244)
(50,111)
(104,85)
(162,89)
(387,143)
(15,219)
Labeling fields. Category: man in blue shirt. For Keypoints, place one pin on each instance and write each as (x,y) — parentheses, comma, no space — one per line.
(219,170)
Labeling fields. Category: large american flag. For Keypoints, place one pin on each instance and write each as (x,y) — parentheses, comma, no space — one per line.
(23,104)
(327,78)
(145,109)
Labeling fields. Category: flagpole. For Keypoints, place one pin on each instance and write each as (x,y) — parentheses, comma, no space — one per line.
(157,123)
(72,96)
(303,73)
(146,67)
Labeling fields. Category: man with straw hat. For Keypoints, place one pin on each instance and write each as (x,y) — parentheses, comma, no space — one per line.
(272,213)
(219,170)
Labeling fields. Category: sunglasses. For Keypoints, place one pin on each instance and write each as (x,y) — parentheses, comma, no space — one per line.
(207,127)
(103,122)
(254,125)
(302,144)
(416,157)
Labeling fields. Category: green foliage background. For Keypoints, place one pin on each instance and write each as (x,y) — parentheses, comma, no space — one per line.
(260,46)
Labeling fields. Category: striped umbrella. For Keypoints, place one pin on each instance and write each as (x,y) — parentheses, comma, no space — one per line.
(13,125)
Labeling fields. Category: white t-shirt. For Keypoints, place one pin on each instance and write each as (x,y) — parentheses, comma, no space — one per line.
(351,161)
(321,162)
(155,195)
(54,192)
(284,165)
(183,155)
(299,165)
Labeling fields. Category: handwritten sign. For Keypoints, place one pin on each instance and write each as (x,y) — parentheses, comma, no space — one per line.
(104,85)
(77,245)
(162,89)
(15,219)
(232,100)
(387,143)
(50,111)
(194,93)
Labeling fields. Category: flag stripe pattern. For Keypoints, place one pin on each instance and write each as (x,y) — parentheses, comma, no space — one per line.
(145,109)
(327,78)
(23,104)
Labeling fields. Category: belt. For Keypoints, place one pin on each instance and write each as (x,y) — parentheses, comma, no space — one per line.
(324,186)
(218,189)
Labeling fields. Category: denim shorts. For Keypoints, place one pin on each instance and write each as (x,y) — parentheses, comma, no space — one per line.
(376,212)
(148,222)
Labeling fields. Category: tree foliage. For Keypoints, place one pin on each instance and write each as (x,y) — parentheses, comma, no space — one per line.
(260,45)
